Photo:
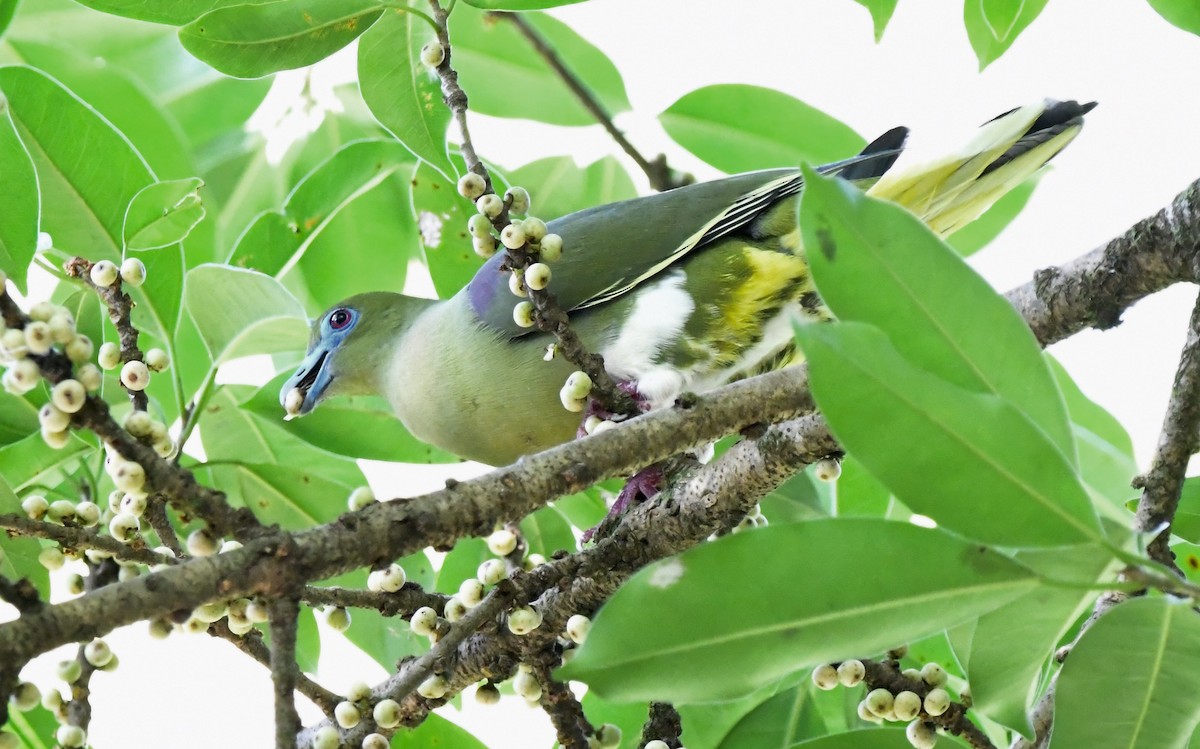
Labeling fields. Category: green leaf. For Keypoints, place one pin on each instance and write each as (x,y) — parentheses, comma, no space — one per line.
(998,477)
(738,128)
(881,13)
(461,563)
(938,312)
(276,242)
(8,8)
(560,187)
(1131,680)
(518,5)
(1182,13)
(436,732)
(547,531)
(289,496)
(799,498)
(869,738)
(993,25)
(979,233)
(18,418)
(859,494)
(723,642)
(1012,644)
(174,13)
(339,426)
(31,462)
(213,107)
(442,213)
(781,721)
(402,92)
(163,213)
(240,312)
(250,41)
(488,49)
(1186,524)
(308,641)
(19,555)
(86,169)
(19,196)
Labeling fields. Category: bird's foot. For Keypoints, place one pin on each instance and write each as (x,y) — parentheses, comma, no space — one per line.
(595,414)
(643,485)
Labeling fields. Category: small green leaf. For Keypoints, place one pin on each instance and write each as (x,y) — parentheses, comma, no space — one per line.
(781,721)
(724,642)
(174,13)
(547,531)
(436,731)
(881,13)
(488,49)
(517,5)
(8,8)
(993,25)
(869,738)
(559,186)
(979,233)
(240,312)
(19,555)
(402,92)
(20,198)
(289,496)
(969,441)
(1186,524)
(163,213)
(31,462)
(739,128)
(938,312)
(442,214)
(1131,680)
(1182,13)
(308,641)
(461,563)
(250,41)
(18,418)
(339,425)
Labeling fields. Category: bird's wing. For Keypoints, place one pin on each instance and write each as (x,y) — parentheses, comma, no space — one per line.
(608,250)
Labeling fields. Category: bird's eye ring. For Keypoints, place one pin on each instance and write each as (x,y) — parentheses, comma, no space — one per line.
(339,319)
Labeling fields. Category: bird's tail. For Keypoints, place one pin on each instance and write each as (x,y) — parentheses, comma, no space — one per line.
(954,190)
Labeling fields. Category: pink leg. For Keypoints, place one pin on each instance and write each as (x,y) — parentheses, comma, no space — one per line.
(641,486)
(594,409)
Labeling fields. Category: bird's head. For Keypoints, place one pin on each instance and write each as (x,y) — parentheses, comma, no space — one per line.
(349,349)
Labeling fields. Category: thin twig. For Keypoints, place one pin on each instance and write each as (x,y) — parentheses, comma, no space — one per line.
(664,724)
(120,308)
(571,726)
(661,176)
(402,603)
(284,671)
(20,594)
(156,515)
(73,537)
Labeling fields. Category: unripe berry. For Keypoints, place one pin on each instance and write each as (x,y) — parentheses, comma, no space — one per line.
(864,713)
(921,735)
(375,741)
(346,714)
(52,418)
(851,672)
(537,276)
(434,688)
(454,609)
(88,513)
(42,311)
(24,374)
(657,744)
(60,510)
(423,621)
(432,54)
(79,349)
(56,440)
(104,273)
(90,377)
(326,737)
(70,737)
(502,543)
(338,619)
(132,504)
(52,700)
(479,227)
(69,671)
(825,677)
(827,469)
(135,375)
(358,691)
(906,705)
(911,673)
(35,506)
(12,343)
(484,247)
(137,423)
(98,653)
(487,694)
(534,228)
(157,360)
(471,186)
(489,205)
(386,713)
(517,199)
(578,627)
(523,620)
(387,580)
(937,701)
(512,236)
(133,271)
(129,477)
(51,558)
(62,328)
(470,592)
(109,355)
(578,384)
(526,685)
(257,612)
(124,527)
(551,247)
(210,612)
(38,338)
(360,498)
(523,314)
(609,736)
(200,543)
(491,572)
(533,560)
(26,696)
(516,284)
(69,396)
(880,702)
(571,402)
(933,674)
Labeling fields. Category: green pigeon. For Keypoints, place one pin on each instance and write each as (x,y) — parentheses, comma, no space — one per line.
(685,290)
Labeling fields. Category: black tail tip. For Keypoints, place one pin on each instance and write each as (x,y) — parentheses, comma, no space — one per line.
(1061,113)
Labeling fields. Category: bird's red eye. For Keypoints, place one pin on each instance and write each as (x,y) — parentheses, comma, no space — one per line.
(339,319)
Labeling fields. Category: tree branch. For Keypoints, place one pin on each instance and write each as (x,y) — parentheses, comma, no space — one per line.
(284,671)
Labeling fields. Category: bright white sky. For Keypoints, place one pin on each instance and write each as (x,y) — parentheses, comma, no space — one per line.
(1138,150)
